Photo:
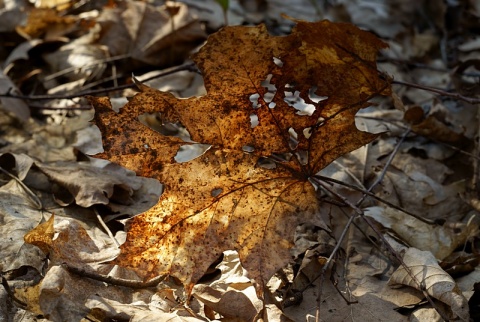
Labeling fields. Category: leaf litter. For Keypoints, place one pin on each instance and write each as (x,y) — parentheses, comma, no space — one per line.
(440,171)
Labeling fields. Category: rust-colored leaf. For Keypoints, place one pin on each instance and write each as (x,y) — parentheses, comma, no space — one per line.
(42,235)
(228,198)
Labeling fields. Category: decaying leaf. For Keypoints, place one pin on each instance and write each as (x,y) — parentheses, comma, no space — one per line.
(42,235)
(441,241)
(73,245)
(278,110)
(433,279)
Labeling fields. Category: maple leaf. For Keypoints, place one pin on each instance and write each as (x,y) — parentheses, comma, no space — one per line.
(251,188)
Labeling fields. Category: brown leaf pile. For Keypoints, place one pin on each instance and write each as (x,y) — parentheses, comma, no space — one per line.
(251,188)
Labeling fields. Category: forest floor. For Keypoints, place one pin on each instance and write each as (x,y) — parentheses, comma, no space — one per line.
(421,172)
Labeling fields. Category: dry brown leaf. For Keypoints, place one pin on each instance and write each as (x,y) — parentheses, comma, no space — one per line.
(228,198)
(15,106)
(73,245)
(47,23)
(149,34)
(436,282)
(429,126)
(42,235)
(441,241)
(88,185)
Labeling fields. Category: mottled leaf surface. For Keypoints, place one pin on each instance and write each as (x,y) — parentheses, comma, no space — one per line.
(288,101)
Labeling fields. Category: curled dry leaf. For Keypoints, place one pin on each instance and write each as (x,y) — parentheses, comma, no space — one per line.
(441,241)
(251,188)
(42,235)
(433,278)
(73,245)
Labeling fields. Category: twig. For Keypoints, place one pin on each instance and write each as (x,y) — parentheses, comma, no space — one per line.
(74,107)
(93,63)
(474,182)
(387,164)
(327,179)
(439,91)
(190,67)
(34,198)
(107,230)
(114,280)
(423,66)
(401,126)
(359,213)
(10,293)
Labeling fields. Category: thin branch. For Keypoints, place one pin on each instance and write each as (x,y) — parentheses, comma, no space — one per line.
(189,67)
(470,100)
(359,213)
(113,280)
(402,126)
(327,179)
(423,66)
(7,288)
(387,164)
(33,197)
(91,64)
(105,227)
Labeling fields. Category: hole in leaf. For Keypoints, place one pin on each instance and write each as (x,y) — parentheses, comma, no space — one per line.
(156,123)
(189,152)
(302,157)
(320,121)
(278,62)
(293,133)
(314,97)
(294,99)
(216,192)
(307,132)
(253,120)
(271,89)
(266,163)
(248,148)
(254,99)
(293,142)
(272,104)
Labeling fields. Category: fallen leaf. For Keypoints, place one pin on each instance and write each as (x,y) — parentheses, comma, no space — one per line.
(433,279)
(149,34)
(12,105)
(440,240)
(18,215)
(42,235)
(46,23)
(240,194)
(429,126)
(97,186)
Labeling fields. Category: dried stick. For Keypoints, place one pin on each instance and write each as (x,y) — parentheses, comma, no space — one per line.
(113,280)
(176,69)
(470,100)
(7,288)
(107,230)
(34,198)
(359,213)
(351,219)
(370,194)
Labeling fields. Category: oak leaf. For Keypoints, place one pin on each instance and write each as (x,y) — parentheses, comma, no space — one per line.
(252,187)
